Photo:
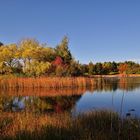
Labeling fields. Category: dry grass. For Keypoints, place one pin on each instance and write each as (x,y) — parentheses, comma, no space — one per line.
(51,86)
(45,82)
(98,125)
(12,123)
(45,86)
(45,91)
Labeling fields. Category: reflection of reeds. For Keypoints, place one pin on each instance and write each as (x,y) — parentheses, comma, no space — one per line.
(45,91)
(112,84)
(129,84)
(49,86)
(45,82)
(92,125)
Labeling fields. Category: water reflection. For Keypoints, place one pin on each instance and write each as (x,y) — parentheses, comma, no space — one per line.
(119,94)
(113,84)
(57,104)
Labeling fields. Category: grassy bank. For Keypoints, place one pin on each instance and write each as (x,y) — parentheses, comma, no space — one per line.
(98,125)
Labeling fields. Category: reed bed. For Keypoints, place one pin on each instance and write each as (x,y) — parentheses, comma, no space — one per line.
(45,91)
(45,82)
(97,125)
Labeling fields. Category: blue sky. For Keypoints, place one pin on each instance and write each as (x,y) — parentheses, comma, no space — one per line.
(98,30)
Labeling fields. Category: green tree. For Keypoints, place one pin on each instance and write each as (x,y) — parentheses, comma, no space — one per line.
(91,68)
(114,67)
(74,69)
(109,68)
(1,44)
(99,68)
(48,54)
(63,51)
(60,71)
(84,69)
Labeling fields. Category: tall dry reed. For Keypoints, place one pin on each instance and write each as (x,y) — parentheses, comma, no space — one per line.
(45,91)
(45,82)
(97,125)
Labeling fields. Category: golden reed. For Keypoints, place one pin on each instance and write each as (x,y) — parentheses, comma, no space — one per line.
(45,91)
(45,82)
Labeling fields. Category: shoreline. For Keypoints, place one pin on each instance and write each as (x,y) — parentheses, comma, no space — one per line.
(115,76)
(82,76)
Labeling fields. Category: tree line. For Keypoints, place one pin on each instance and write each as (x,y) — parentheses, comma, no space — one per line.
(30,58)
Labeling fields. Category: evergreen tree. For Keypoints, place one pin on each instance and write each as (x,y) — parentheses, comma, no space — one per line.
(1,44)
(91,68)
(63,51)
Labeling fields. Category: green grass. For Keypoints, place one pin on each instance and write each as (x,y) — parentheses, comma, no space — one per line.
(98,125)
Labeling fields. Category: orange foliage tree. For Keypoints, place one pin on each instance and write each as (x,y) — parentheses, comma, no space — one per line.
(123,68)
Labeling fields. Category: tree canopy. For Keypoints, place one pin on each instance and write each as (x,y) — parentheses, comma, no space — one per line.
(1,44)
(30,58)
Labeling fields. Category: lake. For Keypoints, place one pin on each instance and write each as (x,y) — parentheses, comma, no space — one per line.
(121,95)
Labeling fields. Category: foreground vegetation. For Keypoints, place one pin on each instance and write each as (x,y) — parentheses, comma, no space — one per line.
(97,125)
(29,58)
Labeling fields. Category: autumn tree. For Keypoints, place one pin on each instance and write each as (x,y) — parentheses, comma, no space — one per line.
(60,71)
(58,62)
(37,68)
(36,58)
(8,56)
(74,69)
(132,67)
(28,51)
(63,51)
(44,54)
(31,58)
(123,68)
(4,68)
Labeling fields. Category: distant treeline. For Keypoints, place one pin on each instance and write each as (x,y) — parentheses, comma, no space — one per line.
(30,58)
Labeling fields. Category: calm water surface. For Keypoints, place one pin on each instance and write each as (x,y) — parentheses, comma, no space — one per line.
(121,95)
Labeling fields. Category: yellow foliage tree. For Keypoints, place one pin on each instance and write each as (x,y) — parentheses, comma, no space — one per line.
(8,55)
(37,68)
(27,50)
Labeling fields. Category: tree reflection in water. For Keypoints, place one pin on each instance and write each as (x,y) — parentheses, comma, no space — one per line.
(59,100)
(58,104)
